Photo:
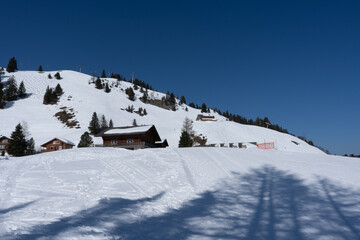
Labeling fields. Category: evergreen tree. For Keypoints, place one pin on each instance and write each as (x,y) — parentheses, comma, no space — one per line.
(50,96)
(192,105)
(111,124)
(136,87)
(30,148)
(12,65)
(17,145)
(85,140)
(58,90)
(94,126)
(182,100)
(2,96)
(49,76)
(103,122)
(103,74)
(12,90)
(57,76)
(172,100)
(144,97)
(130,92)
(203,108)
(22,90)
(98,83)
(134,122)
(107,89)
(185,140)
(145,112)
(40,69)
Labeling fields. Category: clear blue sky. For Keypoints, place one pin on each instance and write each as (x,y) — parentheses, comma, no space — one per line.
(296,62)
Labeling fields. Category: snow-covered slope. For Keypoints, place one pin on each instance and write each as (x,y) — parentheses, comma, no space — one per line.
(174,193)
(83,99)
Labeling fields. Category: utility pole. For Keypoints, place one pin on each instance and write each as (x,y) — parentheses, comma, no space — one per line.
(80,67)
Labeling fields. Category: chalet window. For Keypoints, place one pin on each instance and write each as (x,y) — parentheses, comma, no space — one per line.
(2,147)
(5,141)
(130,140)
(60,147)
(52,147)
(113,141)
(55,142)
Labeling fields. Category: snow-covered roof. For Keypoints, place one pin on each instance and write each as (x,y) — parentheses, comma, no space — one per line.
(127,130)
(61,139)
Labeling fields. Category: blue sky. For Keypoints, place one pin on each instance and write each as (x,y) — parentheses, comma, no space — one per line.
(296,62)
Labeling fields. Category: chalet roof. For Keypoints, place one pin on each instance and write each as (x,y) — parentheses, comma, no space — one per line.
(129,130)
(60,139)
(205,116)
(4,137)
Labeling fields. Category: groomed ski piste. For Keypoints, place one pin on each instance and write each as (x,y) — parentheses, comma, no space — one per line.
(189,193)
(292,192)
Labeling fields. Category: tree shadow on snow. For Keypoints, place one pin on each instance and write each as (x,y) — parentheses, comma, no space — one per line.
(14,208)
(264,204)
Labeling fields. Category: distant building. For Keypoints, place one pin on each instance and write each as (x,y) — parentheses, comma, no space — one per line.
(4,142)
(201,117)
(57,144)
(133,137)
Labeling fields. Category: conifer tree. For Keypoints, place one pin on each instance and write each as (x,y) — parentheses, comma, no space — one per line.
(49,76)
(12,65)
(144,97)
(134,122)
(17,145)
(203,108)
(94,126)
(103,122)
(98,83)
(107,89)
(145,112)
(50,96)
(57,76)
(30,148)
(22,90)
(58,90)
(12,90)
(103,74)
(130,92)
(2,97)
(182,100)
(40,69)
(85,140)
(111,124)
(185,140)
(172,100)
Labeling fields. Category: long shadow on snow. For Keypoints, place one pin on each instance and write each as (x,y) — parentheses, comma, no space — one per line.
(14,208)
(264,204)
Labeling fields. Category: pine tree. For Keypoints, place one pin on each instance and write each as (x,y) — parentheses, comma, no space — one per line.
(50,96)
(22,90)
(49,76)
(98,83)
(107,89)
(203,108)
(2,96)
(58,90)
(103,74)
(182,100)
(130,92)
(172,100)
(134,122)
(40,69)
(145,112)
(111,124)
(103,122)
(12,90)
(57,76)
(85,140)
(17,145)
(94,126)
(185,140)
(12,65)
(144,97)
(30,148)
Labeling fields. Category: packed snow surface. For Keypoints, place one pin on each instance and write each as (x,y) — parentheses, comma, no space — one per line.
(194,193)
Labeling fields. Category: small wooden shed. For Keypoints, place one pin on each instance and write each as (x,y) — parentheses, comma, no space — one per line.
(201,117)
(4,142)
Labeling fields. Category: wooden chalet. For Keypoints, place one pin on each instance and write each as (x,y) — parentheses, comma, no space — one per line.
(57,144)
(4,142)
(133,137)
(201,117)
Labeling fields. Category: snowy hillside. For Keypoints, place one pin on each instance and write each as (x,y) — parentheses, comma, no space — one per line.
(82,99)
(193,193)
